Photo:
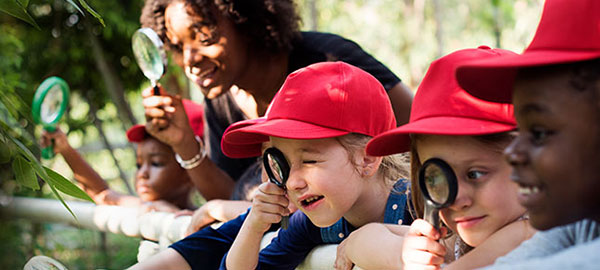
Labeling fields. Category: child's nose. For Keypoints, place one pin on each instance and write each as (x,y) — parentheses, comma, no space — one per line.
(463,197)
(295,181)
(515,152)
(142,172)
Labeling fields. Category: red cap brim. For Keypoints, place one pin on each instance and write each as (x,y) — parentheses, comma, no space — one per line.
(398,141)
(137,133)
(493,79)
(253,136)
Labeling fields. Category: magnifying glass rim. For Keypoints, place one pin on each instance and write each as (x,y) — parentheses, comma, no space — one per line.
(40,95)
(155,39)
(452,182)
(285,167)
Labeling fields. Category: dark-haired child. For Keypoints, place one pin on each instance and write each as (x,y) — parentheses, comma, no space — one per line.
(555,88)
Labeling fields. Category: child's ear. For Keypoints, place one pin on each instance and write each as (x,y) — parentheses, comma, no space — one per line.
(368,165)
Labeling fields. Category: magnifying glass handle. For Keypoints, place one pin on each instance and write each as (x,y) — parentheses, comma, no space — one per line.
(431,215)
(156,90)
(285,222)
(48,152)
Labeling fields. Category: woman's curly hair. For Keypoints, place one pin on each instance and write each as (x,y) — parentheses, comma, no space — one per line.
(270,24)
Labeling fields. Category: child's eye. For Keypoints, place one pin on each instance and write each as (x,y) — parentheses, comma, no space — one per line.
(309,161)
(157,164)
(539,135)
(473,175)
(138,165)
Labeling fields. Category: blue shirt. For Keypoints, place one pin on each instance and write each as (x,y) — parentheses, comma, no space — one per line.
(291,246)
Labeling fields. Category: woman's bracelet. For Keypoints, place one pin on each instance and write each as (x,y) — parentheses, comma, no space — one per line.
(194,161)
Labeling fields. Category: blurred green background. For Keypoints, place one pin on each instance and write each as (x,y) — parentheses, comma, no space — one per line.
(105,82)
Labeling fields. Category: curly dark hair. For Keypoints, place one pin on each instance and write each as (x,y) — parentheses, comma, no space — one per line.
(270,24)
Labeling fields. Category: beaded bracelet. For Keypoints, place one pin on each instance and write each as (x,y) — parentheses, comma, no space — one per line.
(194,161)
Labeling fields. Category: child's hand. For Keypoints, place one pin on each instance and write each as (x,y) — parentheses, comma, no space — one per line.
(268,206)
(420,249)
(342,262)
(159,206)
(167,121)
(200,219)
(60,140)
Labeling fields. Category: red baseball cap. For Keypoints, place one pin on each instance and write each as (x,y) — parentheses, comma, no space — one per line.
(441,107)
(195,114)
(323,100)
(569,31)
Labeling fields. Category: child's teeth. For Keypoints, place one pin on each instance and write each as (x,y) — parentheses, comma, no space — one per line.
(528,190)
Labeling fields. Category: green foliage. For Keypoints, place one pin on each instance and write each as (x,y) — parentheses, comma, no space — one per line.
(18,9)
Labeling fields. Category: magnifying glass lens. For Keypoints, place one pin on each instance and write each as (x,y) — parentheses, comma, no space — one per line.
(51,105)
(436,183)
(276,170)
(147,49)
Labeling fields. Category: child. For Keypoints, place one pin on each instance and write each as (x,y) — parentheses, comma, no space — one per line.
(468,134)
(556,84)
(160,182)
(320,120)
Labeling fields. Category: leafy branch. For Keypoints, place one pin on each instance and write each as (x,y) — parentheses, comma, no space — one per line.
(18,9)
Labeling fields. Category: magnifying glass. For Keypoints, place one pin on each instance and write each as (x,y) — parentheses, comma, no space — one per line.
(439,187)
(49,104)
(150,55)
(278,171)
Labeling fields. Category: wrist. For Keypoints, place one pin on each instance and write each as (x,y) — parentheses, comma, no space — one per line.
(188,162)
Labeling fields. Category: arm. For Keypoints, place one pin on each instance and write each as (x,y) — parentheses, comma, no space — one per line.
(168,122)
(401,99)
(84,174)
(268,206)
(166,259)
(498,244)
(373,246)
(216,210)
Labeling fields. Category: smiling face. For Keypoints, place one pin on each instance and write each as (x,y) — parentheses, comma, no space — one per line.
(159,176)
(323,183)
(555,156)
(212,62)
(486,199)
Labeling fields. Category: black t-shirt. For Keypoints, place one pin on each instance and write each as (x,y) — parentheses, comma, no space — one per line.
(313,47)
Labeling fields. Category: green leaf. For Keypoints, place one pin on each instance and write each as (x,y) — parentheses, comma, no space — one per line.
(27,154)
(5,152)
(16,9)
(24,173)
(24,3)
(65,185)
(91,11)
(76,6)
(63,202)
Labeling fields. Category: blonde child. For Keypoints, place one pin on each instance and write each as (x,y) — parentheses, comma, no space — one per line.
(469,134)
(320,121)
(555,88)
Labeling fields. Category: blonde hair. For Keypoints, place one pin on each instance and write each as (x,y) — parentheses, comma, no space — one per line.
(392,167)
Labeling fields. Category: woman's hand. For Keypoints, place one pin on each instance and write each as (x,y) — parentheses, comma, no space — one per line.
(421,249)
(58,137)
(167,121)
(268,207)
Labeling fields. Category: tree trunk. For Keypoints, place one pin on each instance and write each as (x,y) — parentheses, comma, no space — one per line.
(496,26)
(439,31)
(314,15)
(107,145)
(111,81)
